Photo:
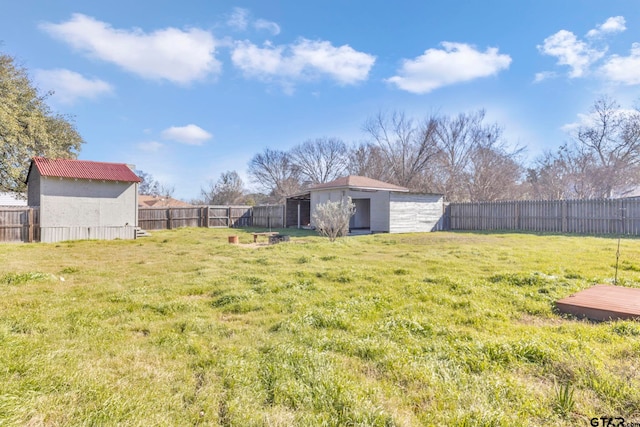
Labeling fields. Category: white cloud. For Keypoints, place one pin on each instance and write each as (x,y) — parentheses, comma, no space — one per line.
(565,46)
(544,75)
(69,86)
(189,134)
(624,69)
(263,24)
(168,54)
(615,24)
(302,60)
(151,146)
(456,63)
(239,19)
(593,119)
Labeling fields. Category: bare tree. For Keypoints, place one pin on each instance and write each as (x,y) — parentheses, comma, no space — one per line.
(457,138)
(320,160)
(366,159)
(612,142)
(228,190)
(550,177)
(275,173)
(407,147)
(495,170)
(166,191)
(148,184)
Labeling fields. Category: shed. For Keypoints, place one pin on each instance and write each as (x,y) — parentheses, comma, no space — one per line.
(81,199)
(380,206)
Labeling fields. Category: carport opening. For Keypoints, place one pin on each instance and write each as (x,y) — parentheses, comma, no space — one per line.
(362,218)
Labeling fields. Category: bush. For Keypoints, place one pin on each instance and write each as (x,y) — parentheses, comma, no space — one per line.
(332,218)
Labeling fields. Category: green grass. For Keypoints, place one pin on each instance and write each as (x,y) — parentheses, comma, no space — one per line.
(183,328)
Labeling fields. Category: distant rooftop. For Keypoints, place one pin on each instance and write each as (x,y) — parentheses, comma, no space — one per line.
(84,169)
(360,183)
(161,201)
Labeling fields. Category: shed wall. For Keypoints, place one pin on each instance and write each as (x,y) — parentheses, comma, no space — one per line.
(415,212)
(86,209)
(379,204)
(33,187)
(59,234)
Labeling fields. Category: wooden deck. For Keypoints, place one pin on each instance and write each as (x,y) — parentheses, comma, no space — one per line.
(603,302)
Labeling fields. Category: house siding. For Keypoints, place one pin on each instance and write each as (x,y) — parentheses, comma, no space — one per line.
(12,199)
(415,212)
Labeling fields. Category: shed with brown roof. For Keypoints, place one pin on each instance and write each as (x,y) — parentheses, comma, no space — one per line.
(81,199)
(380,206)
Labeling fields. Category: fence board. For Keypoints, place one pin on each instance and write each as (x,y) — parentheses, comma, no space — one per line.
(602,216)
(19,224)
(268,216)
(211,216)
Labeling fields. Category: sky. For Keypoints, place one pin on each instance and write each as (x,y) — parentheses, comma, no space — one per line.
(188,90)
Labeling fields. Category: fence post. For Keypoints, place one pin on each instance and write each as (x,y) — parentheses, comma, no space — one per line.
(622,217)
(30,220)
(169,221)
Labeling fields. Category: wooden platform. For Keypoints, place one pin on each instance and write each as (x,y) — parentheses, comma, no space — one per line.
(603,302)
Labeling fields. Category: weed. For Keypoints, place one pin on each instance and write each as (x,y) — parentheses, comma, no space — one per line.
(626,328)
(564,402)
(228,299)
(20,278)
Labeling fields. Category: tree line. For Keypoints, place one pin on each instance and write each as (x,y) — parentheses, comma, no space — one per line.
(462,157)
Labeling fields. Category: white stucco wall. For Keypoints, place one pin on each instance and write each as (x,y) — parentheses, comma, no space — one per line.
(84,203)
(415,212)
(87,209)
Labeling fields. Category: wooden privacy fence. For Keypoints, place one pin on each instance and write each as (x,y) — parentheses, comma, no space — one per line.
(211,216)
(19,224)
(603,216)
(268,216)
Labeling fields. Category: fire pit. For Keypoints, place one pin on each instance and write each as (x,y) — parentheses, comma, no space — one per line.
(277,238)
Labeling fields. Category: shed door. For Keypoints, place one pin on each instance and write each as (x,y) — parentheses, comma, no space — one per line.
(362,218)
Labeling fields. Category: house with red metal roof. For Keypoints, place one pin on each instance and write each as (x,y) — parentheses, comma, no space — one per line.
(381,207)
(81,199)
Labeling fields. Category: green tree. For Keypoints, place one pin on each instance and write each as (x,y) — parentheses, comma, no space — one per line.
(28,127)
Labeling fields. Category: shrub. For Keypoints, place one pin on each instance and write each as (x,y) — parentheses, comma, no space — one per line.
(332,218)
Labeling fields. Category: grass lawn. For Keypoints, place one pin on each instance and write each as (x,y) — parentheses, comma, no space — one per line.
(182,328)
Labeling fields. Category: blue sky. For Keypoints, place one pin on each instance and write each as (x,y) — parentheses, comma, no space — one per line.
(187,90)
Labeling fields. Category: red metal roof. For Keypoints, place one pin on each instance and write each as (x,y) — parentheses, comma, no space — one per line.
(355,181)
(84,169)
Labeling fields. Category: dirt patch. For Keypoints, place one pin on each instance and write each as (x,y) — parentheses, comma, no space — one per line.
(528,319)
